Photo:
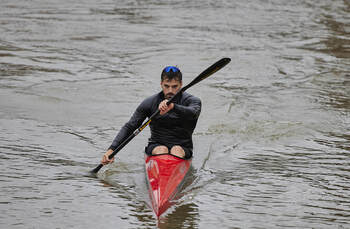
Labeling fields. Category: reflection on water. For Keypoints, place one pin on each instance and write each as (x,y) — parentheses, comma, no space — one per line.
(184,216)
(271,145)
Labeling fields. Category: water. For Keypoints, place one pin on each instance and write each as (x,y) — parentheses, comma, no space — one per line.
(272,143)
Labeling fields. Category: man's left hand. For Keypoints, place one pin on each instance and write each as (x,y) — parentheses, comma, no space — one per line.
(164,108)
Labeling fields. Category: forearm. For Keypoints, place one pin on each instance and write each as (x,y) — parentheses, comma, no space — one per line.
(122,135)
(190,112)
(135,121)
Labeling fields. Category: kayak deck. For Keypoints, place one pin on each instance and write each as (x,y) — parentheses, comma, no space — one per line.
(165,175)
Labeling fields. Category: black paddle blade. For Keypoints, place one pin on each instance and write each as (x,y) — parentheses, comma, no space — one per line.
(208,72)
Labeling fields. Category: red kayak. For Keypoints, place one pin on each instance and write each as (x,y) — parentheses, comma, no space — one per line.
(165,175)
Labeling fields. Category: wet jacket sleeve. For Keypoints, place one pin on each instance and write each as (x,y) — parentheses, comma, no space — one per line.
(135,121)
(190,109)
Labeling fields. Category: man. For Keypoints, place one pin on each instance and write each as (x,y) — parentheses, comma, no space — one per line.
(172,129)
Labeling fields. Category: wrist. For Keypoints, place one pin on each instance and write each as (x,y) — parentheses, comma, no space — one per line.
(109,151)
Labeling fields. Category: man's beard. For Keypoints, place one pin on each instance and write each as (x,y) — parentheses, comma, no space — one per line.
(169,95)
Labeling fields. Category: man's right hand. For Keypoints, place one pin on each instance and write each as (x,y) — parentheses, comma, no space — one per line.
(105,160)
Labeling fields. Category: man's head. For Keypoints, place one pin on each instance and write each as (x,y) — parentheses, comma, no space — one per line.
(171,81)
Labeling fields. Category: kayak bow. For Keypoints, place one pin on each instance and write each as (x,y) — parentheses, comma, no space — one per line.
(165,175)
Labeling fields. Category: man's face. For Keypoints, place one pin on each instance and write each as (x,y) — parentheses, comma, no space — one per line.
(170,87)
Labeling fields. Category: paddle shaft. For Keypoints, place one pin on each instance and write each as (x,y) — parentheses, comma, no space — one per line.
(205,74)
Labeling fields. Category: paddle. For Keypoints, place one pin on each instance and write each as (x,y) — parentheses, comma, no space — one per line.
(205,74)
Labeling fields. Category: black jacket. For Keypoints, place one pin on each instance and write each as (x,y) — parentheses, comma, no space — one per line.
(174,128)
